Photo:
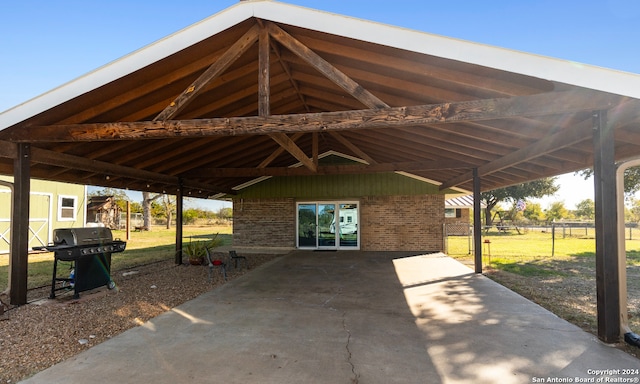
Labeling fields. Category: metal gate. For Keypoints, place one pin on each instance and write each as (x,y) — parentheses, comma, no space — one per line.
(458,229)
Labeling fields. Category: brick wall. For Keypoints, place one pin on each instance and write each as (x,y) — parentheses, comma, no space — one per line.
(387,223)
(402,223)
(264,222)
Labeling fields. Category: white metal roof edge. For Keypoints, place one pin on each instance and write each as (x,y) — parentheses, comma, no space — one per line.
(608,80)
(548,68)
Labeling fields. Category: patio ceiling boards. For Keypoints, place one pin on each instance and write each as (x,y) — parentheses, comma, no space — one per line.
(256,88)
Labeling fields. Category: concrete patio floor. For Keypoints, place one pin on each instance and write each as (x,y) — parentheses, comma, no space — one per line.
(350,317)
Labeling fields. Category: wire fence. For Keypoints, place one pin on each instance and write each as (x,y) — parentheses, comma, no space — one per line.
(546,232)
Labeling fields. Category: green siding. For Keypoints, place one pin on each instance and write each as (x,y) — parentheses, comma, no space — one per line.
(44,210)
(339,186)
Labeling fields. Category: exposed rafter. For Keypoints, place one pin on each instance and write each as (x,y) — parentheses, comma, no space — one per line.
(562,139)
(354,148)
(231,55)
(324,67)
(291,147)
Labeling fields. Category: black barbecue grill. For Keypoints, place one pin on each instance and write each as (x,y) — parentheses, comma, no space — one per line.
(89,249)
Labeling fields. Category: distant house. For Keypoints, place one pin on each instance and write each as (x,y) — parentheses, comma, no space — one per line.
(457,215)
(52,205)
(103,210)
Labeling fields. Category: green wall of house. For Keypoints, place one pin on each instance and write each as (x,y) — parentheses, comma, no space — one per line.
(52,205)
(339,186)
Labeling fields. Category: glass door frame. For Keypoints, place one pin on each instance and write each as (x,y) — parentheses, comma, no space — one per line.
(334,228)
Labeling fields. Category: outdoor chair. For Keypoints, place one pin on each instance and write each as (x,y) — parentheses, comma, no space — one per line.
(233,257)
(215,264)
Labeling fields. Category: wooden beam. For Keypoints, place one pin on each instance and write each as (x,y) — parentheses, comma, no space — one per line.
(294,83)
(19,247)
(278,152)
(324,67)
(357,151)
(607,278)
(564,138)
(291,147)
(474,110)
(328,170)
(314,148)
(43,156)
(8,150)
(57,159)
(264,74)
(179,223)
(231,55)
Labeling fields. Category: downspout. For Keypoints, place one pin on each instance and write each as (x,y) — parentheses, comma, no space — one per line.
(10,186)
(629,336)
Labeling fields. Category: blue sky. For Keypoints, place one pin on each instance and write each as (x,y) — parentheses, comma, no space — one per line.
(45,43)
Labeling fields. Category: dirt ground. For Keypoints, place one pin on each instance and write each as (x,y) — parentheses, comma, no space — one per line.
(36,336)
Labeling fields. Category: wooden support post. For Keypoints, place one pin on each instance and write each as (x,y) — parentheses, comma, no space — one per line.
(477,223)
(264,74)
(179,207)
(607,278)
(19,264)
(128,224)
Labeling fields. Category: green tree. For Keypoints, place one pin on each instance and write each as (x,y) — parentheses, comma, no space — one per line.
(189,216)
(533,189)
(136,207)
(586,209)
(634,210)
(225,213)
(631,179)
(557,211)
(534,212)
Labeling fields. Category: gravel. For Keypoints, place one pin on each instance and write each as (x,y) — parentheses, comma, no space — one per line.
(44,332)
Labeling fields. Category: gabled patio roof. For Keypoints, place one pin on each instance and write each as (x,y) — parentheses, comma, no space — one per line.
(263,85)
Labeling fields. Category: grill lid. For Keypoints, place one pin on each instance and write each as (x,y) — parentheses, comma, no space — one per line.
(82,236)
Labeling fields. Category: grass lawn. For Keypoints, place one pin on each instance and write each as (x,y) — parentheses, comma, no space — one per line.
(143,248)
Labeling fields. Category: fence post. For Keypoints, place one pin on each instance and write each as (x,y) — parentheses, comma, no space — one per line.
(553,239)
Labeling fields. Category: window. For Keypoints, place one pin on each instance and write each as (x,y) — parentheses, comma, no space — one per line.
(67,208)
(453,213)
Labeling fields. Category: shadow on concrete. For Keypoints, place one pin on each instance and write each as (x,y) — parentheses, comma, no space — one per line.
(347,317)
(475,330)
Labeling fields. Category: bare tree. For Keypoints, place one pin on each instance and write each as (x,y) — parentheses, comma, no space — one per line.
(147,199)
(169,206)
